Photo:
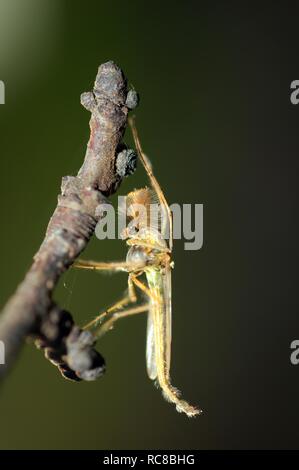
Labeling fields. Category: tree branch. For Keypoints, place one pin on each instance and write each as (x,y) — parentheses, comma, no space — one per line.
(31,311)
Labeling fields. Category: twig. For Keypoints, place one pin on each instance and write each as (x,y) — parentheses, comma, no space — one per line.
(31,311)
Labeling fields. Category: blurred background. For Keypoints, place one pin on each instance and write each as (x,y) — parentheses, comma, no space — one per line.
(216,120)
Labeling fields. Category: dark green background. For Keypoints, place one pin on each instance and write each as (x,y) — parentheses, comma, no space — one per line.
(216,120)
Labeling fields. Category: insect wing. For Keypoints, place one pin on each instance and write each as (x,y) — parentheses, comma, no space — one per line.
(159,324)
(151,364)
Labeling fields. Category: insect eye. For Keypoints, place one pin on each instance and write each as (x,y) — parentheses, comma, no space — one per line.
(137,256)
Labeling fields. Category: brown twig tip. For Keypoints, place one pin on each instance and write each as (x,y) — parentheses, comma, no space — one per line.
(107,161)
(106,102)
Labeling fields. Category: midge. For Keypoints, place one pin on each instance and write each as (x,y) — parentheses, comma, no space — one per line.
(149,254)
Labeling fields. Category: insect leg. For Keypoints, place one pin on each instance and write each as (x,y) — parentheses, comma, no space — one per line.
(108,325)
(96,266)
(144,288)
(160,367)
(129,298)
(170,393)
(154,182)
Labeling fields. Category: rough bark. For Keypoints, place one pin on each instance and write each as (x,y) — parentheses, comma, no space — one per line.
(72,223)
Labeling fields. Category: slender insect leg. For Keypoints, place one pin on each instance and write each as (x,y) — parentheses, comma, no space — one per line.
(130,298)
(153,180)
(144,288)
(108,325)
(170,393)
(96,266)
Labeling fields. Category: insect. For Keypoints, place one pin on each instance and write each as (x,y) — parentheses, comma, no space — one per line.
(148,257)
